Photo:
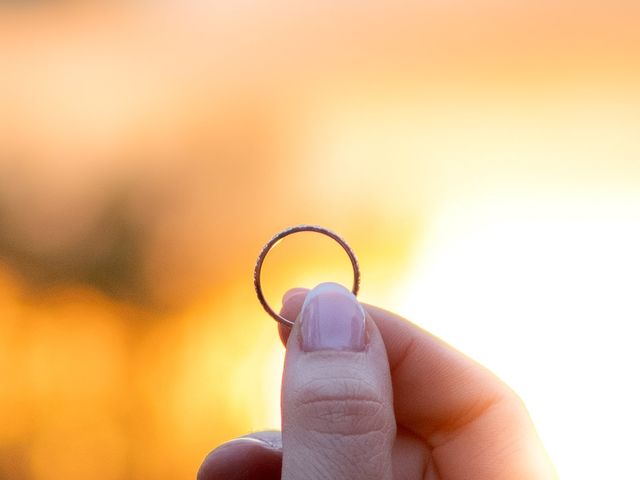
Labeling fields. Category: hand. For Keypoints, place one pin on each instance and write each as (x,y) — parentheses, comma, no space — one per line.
(367,395)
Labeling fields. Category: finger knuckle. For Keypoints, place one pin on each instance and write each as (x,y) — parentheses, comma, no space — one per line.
(346,406)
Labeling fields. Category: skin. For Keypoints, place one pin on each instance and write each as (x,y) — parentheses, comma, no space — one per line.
(409,407)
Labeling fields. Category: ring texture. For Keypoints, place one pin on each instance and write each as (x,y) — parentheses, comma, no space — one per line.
(285,233)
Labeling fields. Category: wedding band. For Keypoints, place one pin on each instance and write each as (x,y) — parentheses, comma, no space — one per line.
(289,231)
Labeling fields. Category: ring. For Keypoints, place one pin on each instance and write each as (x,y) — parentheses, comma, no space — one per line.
(289,231)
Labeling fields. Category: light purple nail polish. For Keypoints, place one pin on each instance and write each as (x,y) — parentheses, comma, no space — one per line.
(332,319)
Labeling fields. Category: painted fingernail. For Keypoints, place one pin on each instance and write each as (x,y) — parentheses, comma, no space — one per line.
(332,319)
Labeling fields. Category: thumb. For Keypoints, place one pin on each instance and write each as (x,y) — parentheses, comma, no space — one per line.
(337,407)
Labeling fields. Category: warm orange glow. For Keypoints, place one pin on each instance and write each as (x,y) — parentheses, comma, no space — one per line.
(482,161)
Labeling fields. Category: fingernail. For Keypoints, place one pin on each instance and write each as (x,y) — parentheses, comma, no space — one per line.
(292,293)
(332,319)
(242,442)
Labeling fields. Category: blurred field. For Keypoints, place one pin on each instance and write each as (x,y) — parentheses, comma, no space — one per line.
(483,161)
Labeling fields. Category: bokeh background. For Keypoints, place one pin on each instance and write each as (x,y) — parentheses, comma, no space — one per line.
(482,158)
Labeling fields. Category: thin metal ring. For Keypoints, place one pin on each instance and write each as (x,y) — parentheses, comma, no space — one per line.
(291,230)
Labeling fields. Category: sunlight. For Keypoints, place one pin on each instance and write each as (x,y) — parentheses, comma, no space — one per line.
(544,292)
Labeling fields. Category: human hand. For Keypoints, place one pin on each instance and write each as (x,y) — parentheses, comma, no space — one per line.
(368,395)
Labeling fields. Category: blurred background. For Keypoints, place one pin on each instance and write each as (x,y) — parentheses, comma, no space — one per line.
(482,159)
